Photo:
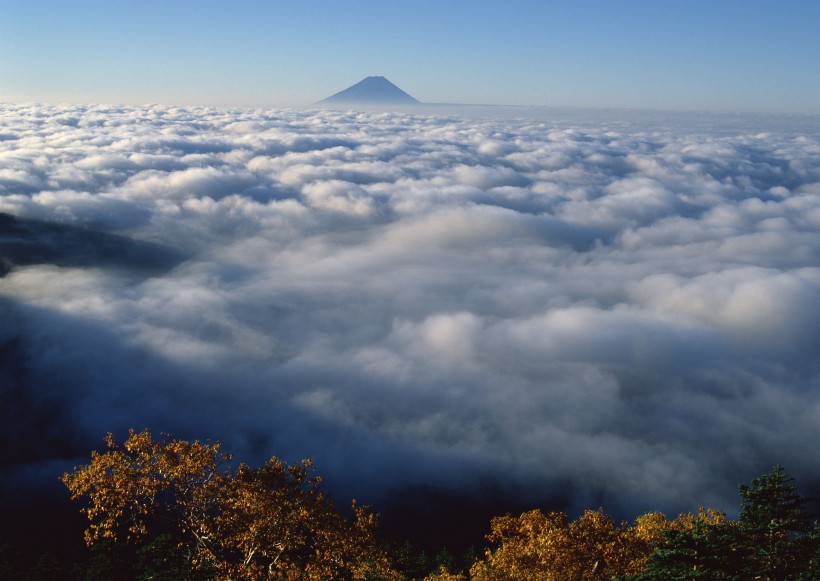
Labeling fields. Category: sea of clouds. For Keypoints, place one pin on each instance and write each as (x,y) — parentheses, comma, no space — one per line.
(621,313)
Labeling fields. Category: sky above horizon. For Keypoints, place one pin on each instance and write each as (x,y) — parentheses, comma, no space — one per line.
(757,56)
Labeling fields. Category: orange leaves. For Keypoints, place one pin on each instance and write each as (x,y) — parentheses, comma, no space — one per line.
(543,547)
(274,521)
(271,522)
(536,546)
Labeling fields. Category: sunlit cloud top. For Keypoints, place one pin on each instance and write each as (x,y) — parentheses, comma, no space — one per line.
(620,311)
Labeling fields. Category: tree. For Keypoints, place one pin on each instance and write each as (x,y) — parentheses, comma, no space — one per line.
(535,546)
(773,539)
(702,546)
(809,549)
(9,562)
(774,521)
(107,560)
(47,568)
(444,560)
(272,522)
(470,557)
(161,560)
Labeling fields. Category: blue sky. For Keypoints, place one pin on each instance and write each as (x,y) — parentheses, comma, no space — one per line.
(731,55)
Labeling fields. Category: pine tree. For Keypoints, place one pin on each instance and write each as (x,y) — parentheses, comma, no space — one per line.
(9,562)
(773,519)
(47,568)
(704,551)
(470,557)
(446,560)
(809,549)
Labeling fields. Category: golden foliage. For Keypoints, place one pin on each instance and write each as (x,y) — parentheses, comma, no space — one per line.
(271,522)
(705,516)
(274,522)
(545,547)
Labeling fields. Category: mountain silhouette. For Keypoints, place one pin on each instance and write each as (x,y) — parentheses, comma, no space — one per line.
(372,90)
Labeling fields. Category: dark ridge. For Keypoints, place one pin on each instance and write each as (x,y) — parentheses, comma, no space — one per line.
(27,242)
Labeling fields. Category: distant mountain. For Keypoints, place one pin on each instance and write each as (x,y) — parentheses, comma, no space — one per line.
(372,90)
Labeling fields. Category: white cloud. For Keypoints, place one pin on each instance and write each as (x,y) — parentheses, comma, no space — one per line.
(537,303)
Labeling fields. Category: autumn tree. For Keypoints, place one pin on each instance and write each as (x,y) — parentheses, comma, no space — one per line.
(701,546)
(543,547)
(272,522)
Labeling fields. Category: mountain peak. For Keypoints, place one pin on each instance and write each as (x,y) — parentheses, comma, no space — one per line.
(372,90)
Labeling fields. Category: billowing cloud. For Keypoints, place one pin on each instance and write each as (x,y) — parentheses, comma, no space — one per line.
(624,314)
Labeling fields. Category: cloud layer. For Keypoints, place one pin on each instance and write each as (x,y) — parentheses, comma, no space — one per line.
(624,313)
